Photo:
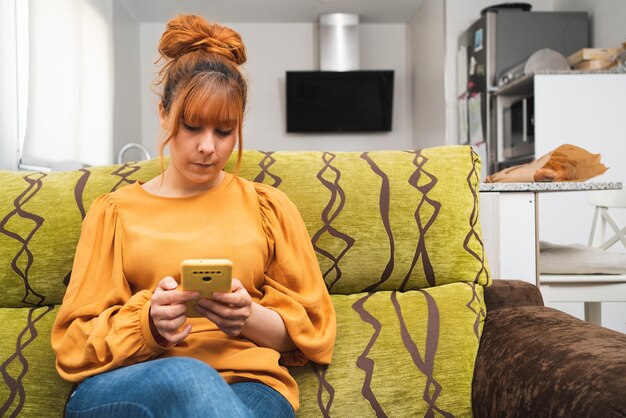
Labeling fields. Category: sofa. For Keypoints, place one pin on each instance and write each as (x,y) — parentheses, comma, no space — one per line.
(422,329)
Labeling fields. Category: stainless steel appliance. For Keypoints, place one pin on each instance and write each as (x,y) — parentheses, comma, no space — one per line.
(501,39)
(515,107)
(544,59)
(518,128)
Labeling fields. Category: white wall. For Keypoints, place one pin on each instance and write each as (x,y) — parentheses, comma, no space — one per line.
(426,33)
(272,50)
(607,19)
(128,87)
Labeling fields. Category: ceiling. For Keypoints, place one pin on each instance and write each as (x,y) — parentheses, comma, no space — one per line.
(273,11)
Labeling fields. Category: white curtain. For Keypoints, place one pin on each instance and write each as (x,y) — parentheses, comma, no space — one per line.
(70,89)
(8,85)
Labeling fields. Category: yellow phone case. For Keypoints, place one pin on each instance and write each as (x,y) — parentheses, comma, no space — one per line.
(205,276)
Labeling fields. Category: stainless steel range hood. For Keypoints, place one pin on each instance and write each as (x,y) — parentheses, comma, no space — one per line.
(339,42)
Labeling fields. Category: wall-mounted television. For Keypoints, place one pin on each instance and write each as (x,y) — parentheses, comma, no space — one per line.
(339,101)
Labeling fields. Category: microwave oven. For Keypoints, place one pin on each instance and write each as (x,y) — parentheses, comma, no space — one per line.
(516,122)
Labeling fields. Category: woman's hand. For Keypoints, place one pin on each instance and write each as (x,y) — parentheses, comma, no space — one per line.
(167,311)
(237,315)
(229,311)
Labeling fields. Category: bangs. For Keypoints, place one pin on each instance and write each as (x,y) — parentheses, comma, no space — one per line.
(211,100)
(207,99)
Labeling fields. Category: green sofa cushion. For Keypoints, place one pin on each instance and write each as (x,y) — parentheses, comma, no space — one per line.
(40,220)
(380,220)
(399,354)
(385,220)
(402,353)
(30,386)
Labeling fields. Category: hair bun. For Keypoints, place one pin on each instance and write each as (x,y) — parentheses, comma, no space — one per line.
(189,33)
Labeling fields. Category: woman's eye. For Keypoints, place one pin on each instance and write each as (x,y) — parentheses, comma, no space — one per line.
(223,132)
(191,128)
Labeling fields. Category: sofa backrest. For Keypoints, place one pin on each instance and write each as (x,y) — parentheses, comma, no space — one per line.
(380,220)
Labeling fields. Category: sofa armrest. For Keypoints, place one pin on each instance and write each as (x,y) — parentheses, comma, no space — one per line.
(511,293)
(536,361)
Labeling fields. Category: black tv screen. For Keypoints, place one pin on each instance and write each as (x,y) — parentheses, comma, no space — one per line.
(339,101)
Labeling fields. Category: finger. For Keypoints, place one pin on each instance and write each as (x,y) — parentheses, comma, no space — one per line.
(219,313)
(239,296)
(236,285)
(177,337)
(225,311)
(167,283)
(170,325)
(162,293)
(230,326)
(169,297)
(232,300)
(161,301)
(166,312)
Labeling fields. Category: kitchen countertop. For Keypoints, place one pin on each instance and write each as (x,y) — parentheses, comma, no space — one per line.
(524,84)
(550,186)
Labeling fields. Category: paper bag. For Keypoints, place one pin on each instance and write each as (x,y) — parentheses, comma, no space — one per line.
(565,163)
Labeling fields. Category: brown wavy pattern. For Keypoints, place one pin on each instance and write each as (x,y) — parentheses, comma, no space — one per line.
(16,388)
(320,373)
(480,313)
(124,172)
(79,189)
(17,393)
(265,164)
(425,364)
(363,362)
(66,279)
(419,162)
(383,202)
(473,177)
(34,181)
(336,193)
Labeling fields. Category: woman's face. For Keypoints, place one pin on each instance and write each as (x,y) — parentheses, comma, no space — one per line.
(199,153)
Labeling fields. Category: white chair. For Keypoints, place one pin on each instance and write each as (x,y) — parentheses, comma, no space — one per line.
(603,200)
(592,288)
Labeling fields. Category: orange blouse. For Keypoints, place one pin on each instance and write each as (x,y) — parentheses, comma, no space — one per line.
(131,239)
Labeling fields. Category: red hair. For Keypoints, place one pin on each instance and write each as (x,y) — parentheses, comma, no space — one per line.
(201,80)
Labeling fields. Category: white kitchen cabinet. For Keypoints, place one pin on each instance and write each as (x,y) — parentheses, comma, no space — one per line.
(508,223)
(511,223)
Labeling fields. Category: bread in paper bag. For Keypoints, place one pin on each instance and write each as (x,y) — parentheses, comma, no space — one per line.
(565,163)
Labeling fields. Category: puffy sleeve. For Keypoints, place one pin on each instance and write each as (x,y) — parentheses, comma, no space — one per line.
(294,286)
(101,325)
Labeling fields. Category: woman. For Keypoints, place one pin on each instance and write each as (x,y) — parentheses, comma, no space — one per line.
(122,331)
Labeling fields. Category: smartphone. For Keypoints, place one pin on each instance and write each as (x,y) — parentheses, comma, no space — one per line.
(205,276)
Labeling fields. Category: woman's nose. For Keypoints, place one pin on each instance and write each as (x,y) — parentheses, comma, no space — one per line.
(206,145)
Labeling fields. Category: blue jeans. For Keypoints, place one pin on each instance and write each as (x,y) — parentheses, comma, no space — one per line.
(173,387)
